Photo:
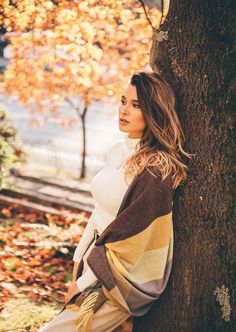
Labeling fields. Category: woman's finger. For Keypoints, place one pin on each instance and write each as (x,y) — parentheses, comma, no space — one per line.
(67,297)
(75,270)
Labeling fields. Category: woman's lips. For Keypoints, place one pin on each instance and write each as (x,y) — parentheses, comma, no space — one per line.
(124,121)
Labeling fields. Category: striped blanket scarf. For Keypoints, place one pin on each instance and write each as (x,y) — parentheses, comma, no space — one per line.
(132,258)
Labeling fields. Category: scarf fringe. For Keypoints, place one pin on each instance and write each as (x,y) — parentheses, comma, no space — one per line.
(73,307)
(86,313)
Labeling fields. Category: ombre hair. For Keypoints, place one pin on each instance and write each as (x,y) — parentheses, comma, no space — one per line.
(161,143)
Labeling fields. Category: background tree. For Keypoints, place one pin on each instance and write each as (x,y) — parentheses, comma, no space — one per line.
(73,52)
(194,49)
(11,152)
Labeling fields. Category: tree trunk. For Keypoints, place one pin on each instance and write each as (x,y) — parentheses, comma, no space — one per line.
(3,41)
(83,166)
(194,50)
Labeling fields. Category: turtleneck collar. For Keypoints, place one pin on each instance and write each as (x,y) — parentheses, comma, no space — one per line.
(131,142)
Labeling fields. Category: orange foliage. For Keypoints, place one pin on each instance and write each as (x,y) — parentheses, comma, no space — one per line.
(74,50)
(34,259)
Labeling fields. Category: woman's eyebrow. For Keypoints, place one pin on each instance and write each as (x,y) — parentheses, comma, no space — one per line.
(131,100)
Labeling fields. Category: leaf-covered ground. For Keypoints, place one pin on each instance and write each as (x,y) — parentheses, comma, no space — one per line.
(36,252)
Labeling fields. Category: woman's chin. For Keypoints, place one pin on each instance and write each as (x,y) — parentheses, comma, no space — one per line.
(123,128)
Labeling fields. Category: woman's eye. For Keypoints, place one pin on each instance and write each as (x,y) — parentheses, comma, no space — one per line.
(134,105)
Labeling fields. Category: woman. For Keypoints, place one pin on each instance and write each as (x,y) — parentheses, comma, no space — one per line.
(124,258)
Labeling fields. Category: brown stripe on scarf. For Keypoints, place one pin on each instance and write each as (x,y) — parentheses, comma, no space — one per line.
(125,224)
(99,265)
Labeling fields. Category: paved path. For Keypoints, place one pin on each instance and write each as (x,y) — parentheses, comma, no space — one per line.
(48,193)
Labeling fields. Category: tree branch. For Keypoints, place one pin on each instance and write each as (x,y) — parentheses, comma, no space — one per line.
(146,14)
(72,105)
(162,10)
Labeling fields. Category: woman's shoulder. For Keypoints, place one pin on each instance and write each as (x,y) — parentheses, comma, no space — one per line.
(116,143)
(115,148)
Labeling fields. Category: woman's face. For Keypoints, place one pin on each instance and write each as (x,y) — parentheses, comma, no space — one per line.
(130,111)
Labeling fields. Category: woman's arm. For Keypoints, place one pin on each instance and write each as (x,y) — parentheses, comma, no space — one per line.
(75,269)
(86,280)
(85,240)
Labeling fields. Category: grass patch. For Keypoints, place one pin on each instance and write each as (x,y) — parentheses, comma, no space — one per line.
(24,314)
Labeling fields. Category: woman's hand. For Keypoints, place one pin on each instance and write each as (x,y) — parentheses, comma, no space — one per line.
(73,290)
(75,270)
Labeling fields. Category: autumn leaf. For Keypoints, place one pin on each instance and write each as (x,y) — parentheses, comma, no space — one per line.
(26,265)
(87,50)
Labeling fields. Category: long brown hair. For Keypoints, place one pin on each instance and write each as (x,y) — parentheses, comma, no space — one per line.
(161,143)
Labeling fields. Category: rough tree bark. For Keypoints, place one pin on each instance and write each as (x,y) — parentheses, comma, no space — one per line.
(194,49)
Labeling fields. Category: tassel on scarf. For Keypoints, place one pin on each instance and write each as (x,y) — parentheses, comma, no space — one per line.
(76,306)
(86,313)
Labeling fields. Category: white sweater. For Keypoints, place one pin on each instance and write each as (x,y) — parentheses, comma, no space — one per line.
(108,188)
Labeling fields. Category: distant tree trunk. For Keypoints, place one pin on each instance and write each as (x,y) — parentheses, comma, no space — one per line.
(194,49)
(3,44)
(3,41)
(83,166)
(82,117)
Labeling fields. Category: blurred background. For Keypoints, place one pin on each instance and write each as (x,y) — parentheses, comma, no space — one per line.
(63,67)
(53,149)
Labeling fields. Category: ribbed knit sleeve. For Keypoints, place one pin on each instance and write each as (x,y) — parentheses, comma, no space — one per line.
(86,279)
(85,239)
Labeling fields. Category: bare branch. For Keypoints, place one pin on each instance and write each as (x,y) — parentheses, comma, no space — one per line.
(146,14)
(162,10)
(72,105)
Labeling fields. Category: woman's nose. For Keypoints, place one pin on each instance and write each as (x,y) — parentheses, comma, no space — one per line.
(124,110)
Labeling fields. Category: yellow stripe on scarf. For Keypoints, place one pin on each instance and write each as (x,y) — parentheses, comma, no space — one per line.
(112,257)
